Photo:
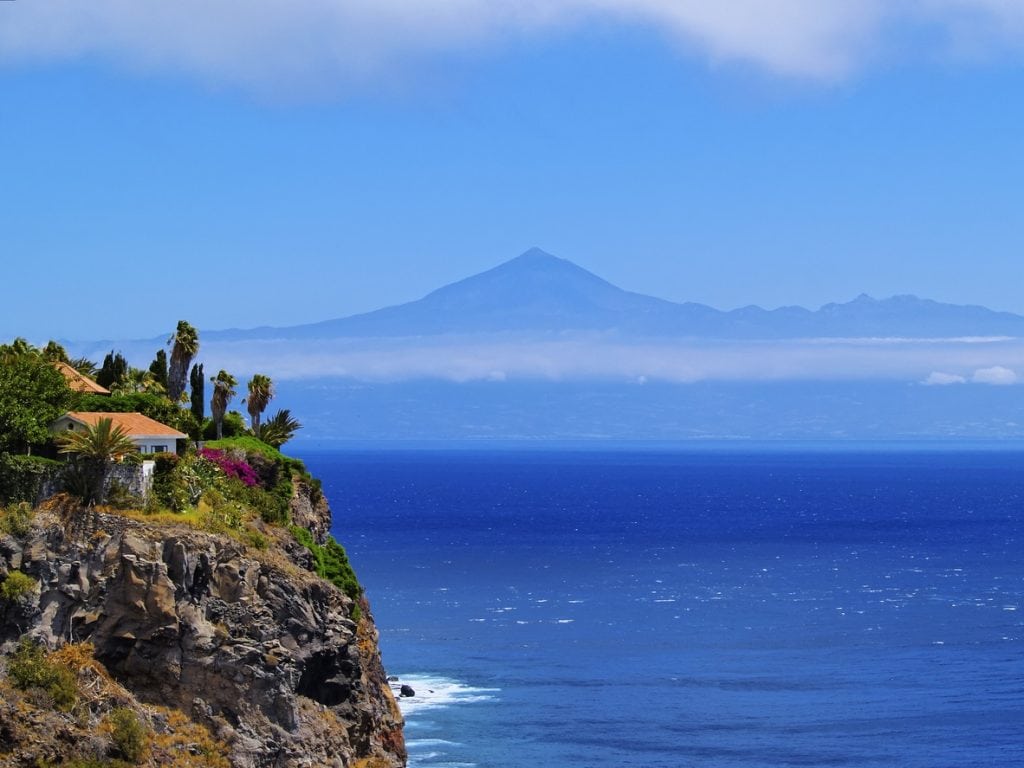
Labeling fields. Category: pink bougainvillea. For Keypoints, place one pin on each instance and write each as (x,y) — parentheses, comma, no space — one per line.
(229,466)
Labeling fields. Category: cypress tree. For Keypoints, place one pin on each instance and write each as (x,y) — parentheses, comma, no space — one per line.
(113,371)
(198,385)
(159,368)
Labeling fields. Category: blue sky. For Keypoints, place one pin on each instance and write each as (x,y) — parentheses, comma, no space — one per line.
(264,170)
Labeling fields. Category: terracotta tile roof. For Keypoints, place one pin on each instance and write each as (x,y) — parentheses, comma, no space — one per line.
(79,381)
(133,424)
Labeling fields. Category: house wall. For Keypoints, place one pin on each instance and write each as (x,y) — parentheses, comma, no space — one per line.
(137,479)
(155,444)
(145,443)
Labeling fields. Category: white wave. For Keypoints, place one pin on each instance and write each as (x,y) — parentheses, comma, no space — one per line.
(435,692)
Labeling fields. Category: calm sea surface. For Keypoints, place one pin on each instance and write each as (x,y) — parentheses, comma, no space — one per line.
(695,609)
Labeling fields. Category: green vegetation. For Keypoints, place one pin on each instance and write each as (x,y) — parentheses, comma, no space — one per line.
(113,371)
(16,586)
(232,426)
(159,369)
(94,448)
(231,486)
(29,668)
(279,429)
(261,391)
(197,400)
(32,395)
(128,734)
(22,477)
(184,346)
(16,519)
(223,391)
(331,563)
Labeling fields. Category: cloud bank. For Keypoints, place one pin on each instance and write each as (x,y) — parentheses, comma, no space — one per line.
(597,358)
(997,375)
(275,45)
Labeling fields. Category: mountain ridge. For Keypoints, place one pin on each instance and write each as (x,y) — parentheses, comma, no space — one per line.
(537,292)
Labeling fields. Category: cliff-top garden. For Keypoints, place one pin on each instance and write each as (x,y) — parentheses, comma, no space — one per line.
(72,429)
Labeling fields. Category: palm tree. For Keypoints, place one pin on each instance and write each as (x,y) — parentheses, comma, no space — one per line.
(96,446)
(137,380)
(84,366)
(55,353)
(261,392)
(223,390)
(185,343)
(279,429)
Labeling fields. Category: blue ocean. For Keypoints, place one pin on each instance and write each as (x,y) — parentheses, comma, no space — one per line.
(695,608)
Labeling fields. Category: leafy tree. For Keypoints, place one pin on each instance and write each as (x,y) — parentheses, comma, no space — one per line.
(185,345)
(261,392)
(198,386)
(96,447)
(32,395)
(279,429)
(223,390)
(17,348)
(113,371)
(159,369)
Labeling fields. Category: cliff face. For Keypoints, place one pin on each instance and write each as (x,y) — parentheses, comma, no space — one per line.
(246,642)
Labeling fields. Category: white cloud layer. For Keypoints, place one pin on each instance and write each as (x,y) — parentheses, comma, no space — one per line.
(581,357)
(289,45)
(940,379)
(997,375)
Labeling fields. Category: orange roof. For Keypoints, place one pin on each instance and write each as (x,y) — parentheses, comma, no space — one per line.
(79,381)
(133,424)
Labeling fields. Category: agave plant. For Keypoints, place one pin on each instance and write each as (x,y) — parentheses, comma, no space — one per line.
(279,429)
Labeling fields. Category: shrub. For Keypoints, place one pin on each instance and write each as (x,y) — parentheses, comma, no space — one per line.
(232,426)
(119,497)
(331,563)
(16,519)
(128,734)
(29,668)
(219,513)
(230,466)
(22,477)
(16,586)
(255,539)
(248,444)
(164,465)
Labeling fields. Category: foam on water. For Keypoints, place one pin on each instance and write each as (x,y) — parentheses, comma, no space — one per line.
(434,692)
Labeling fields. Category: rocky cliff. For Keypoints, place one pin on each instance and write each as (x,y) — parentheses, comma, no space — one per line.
(232,651)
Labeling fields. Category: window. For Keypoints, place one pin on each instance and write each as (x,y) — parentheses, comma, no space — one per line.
(159,449)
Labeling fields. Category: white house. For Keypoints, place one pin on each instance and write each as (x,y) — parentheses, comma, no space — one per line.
(149,435)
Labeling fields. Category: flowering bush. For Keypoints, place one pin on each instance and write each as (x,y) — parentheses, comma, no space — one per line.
(231,467)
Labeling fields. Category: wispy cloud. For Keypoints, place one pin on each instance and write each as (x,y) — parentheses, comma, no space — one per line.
(274,45)
(940,379)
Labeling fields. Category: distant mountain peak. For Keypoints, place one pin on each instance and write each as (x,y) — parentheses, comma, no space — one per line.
(536,254)
(537,292)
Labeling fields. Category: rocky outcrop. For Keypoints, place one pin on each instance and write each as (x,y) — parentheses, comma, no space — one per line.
(309,509)
(244,641)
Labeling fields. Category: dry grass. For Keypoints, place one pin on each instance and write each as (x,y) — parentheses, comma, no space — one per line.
(371,762)
(186,744)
